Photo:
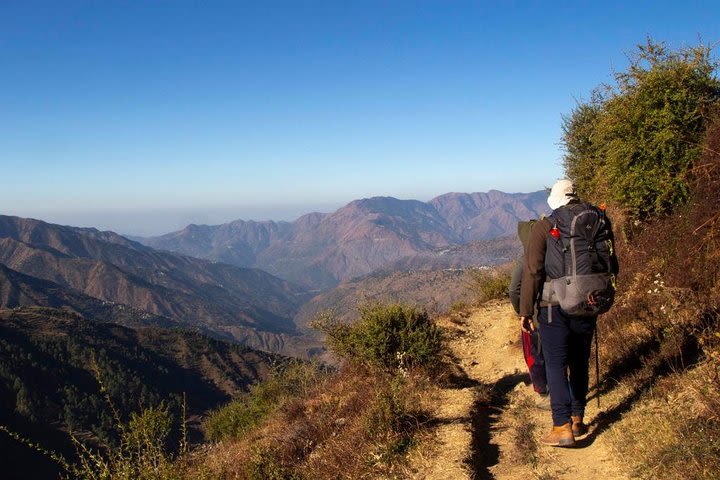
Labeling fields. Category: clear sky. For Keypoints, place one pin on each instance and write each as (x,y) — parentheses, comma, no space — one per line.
(143,116)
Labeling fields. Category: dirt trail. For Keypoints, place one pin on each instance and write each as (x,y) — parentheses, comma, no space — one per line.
(487,424)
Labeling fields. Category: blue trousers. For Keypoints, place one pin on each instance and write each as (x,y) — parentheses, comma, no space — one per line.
(566,342)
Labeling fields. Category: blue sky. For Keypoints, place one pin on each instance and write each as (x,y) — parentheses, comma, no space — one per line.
(144,116)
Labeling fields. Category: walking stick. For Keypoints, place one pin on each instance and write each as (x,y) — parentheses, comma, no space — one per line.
(597,368)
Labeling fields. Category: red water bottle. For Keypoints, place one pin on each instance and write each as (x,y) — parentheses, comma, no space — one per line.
(554,232)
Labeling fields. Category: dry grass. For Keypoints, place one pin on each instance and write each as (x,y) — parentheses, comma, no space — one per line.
(524,448)
(672,430)
(356,424)
(359,422)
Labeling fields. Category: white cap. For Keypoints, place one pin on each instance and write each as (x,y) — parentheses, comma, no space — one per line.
(562,192)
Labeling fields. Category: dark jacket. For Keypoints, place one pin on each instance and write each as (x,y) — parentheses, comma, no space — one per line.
(533,274)
(515,280)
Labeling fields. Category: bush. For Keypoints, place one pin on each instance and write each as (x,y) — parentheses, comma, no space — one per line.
(389,409)
(241,415)
(388,336)
(143,452)
(637,142)
(143,449)
(266,464)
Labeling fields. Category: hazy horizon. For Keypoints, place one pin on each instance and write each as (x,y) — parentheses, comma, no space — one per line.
(143,223)
(153,222)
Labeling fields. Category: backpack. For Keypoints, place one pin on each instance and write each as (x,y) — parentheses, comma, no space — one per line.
(580,261)
(524,228)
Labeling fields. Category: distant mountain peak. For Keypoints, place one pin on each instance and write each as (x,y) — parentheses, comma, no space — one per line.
(322,249)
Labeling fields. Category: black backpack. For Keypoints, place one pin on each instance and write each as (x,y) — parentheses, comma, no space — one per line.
(580,261)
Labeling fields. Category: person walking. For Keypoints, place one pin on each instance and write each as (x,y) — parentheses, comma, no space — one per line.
(570,266)
(532,350)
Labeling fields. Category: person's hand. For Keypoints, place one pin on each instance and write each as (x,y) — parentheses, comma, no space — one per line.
(526,324)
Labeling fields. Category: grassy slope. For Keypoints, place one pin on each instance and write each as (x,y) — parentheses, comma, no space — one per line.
(661,343)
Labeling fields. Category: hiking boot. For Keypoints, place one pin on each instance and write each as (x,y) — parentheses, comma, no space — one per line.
(578,427)
(543,402)
(561,436)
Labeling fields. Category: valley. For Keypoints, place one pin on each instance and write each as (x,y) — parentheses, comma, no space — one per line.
(58,371)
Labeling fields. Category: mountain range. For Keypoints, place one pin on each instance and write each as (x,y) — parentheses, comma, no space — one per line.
(106,277)
(147,312)
(320,250)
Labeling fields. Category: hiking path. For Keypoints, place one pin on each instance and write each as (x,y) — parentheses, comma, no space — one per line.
(487,424)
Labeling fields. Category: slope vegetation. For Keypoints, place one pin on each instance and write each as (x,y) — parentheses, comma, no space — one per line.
(54,363)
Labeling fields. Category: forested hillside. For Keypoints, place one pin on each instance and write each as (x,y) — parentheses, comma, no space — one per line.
(56,368)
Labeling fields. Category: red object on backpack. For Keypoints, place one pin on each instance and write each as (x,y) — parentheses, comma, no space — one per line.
(555,232)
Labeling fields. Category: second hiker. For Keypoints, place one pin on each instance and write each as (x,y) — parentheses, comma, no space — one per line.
(532,350)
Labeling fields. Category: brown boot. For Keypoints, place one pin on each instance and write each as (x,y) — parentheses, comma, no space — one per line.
(578,427)
(561,436)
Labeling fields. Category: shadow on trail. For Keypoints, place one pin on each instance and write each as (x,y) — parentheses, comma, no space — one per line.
(648,370)
(455,377)
(491,399)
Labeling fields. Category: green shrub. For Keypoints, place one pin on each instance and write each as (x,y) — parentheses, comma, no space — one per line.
(142,450)
(488,285)
(390,409)
(241,415)
(636,143)
(265,464)
(387,336)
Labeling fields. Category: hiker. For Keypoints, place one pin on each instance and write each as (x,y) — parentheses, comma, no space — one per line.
(532,350)
(570,262)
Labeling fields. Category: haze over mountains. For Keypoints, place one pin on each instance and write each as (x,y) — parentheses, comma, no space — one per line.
(320,250)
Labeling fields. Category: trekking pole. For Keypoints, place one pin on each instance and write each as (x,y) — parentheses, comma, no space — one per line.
(597,368)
